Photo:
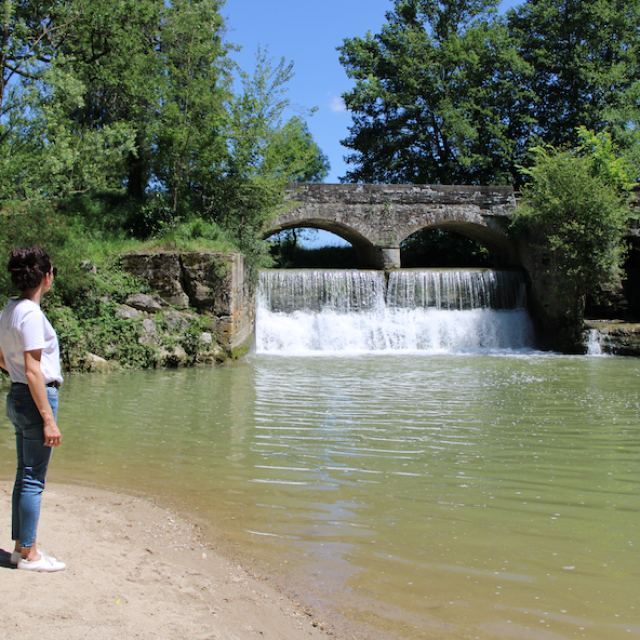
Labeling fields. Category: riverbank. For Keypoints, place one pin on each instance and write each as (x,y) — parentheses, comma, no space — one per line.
(136,570)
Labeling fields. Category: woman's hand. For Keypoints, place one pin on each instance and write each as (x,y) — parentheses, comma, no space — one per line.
(52,435)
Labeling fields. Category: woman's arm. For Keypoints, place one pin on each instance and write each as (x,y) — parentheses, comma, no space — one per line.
(3,364)
(35,379)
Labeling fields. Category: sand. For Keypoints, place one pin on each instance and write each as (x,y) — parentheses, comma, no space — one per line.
(136,570)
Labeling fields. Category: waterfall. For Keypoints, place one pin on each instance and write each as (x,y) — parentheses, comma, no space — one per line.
(455,290)
(595,343)
(286,291)
(302,312)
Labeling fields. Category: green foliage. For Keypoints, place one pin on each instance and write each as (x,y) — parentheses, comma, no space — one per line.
(189,133)
(50,147)
(125,111)
(83,303)
(39,223)
(435,99)
(191,235)
(318,258)
(120,130)
(92,326)
(71,335)
(609,162)
(574,211)
(450,92)
(89,323)
(100,332)
(584,61)
(266,154)
(301,150)
(288,253)
(187,337)
(440,248)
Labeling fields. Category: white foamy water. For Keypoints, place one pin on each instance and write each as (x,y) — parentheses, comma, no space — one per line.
(305,312)
(594,343)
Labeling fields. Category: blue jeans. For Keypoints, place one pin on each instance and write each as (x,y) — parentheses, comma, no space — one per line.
(33,460)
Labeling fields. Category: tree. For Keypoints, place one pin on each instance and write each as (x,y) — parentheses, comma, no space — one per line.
(437,97)
(129,106)
(585,58)
(67,70)
(265,154)
(451,92)
(573,213)
(189,134)
(300,149)
(115,48)
(28,31)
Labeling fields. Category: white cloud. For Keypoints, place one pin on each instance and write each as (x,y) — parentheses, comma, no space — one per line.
(337,104)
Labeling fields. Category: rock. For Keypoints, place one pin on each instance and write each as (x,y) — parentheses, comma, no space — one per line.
(127,313)
(215,355)
(206,278)
(206,338)
(95,364)
(148,332)
(177,357)
(87,265)
(176,320)
(145,302)
(213,283)
(613,337)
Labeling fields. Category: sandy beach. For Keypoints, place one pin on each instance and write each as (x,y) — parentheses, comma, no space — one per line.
(136,570)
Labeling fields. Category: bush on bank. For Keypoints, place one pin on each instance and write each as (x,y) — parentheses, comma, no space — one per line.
(574,211)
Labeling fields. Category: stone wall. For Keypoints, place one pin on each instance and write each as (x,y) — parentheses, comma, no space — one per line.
(558,313)
(212,283)
(614,337)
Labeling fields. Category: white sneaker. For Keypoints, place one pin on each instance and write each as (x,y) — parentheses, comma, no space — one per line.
(16,557)
(46,563)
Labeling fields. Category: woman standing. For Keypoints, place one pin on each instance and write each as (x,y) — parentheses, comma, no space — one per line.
(29,352)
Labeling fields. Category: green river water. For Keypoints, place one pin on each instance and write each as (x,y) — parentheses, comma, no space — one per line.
(417,496)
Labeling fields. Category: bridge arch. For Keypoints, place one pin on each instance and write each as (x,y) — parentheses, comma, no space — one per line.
(499,246)
(363,246)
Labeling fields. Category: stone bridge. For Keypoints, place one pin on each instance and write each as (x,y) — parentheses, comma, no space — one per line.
(376,218)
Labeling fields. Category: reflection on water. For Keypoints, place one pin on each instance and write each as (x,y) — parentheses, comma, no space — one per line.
(482,497)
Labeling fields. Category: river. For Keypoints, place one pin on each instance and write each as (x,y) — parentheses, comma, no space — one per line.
(485,494)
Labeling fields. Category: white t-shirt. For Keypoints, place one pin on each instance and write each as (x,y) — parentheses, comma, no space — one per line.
(23,327)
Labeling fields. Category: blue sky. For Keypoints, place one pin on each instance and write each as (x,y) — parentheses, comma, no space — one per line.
(307,33)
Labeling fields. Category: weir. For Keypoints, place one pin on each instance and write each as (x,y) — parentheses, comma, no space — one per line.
(305,312)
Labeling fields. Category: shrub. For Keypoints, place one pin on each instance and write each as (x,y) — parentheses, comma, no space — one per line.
(573,213)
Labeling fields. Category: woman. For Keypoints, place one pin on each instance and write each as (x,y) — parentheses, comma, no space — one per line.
(29,352)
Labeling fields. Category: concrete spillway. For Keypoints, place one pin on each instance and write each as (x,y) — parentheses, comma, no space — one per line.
(306,312)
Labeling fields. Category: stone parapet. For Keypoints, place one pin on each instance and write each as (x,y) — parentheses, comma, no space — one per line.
(498,200)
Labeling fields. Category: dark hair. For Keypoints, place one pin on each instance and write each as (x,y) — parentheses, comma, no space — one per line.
(28,266)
